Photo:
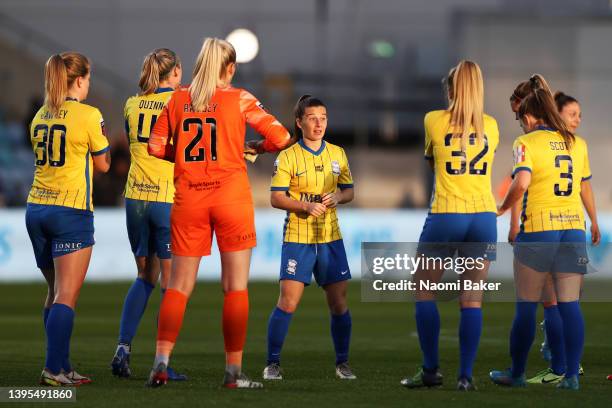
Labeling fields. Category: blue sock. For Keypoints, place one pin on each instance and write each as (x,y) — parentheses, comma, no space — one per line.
(278,326)
(522,335)
(428,327)
(134,306)
(573,333)
(554,336)
(341,335)
(46,311)
(59,331)
(470,328)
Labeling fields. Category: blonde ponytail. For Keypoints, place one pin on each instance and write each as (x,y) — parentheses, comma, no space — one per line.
(467,103)
(214,57)
(156,68)
(61,70)
(56,83)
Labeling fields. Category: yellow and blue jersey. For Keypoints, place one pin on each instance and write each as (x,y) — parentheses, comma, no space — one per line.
(149,178)
(552,201)
(462,178)
(307,175)
(63,147)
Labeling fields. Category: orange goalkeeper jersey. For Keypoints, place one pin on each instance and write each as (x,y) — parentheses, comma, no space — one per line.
(208,147)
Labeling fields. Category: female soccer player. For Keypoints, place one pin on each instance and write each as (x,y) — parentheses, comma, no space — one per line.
(569,109)
(206,126)
(460,144)
(310,179)
(552,347)
(548,159)
(149,193)
(69,141)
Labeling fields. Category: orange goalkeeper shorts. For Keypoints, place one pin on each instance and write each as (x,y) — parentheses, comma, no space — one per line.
(193,228)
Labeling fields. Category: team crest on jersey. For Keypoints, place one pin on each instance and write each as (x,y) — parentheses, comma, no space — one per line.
(519,154)
(335,168)
(275,167)
(291,266)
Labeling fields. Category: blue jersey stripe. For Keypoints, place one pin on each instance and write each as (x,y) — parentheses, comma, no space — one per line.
(87,186)
(99,152)
(520,169)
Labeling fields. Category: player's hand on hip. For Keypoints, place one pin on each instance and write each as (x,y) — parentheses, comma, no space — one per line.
(500,211)
(316,209)
(330,200)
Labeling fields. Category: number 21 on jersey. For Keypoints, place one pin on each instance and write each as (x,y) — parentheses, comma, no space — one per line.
(193,129)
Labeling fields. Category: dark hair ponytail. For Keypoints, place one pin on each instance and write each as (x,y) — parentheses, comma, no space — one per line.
(157,67)
(305,101)
(525,88)
(541,105)
(562,99)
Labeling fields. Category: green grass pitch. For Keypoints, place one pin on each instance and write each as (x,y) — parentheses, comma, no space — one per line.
(384,349)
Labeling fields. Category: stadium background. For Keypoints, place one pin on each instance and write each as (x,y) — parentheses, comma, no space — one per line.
(378,66)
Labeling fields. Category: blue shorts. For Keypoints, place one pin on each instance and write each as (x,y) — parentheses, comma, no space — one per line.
(471,235)
(326,261)
(56,231)
(148,225)
(561,251)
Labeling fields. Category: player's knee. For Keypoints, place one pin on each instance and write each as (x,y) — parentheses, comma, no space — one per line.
(287,304)
(148,276)
(68,299)
(337,305)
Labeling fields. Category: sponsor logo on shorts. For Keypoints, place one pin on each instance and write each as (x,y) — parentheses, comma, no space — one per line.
(247,237)
(291,266)
(68,246)
(582,260)
(335,168)
(344,272)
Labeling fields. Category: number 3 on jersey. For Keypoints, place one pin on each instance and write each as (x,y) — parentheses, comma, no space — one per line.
(194,128)
(564,175)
